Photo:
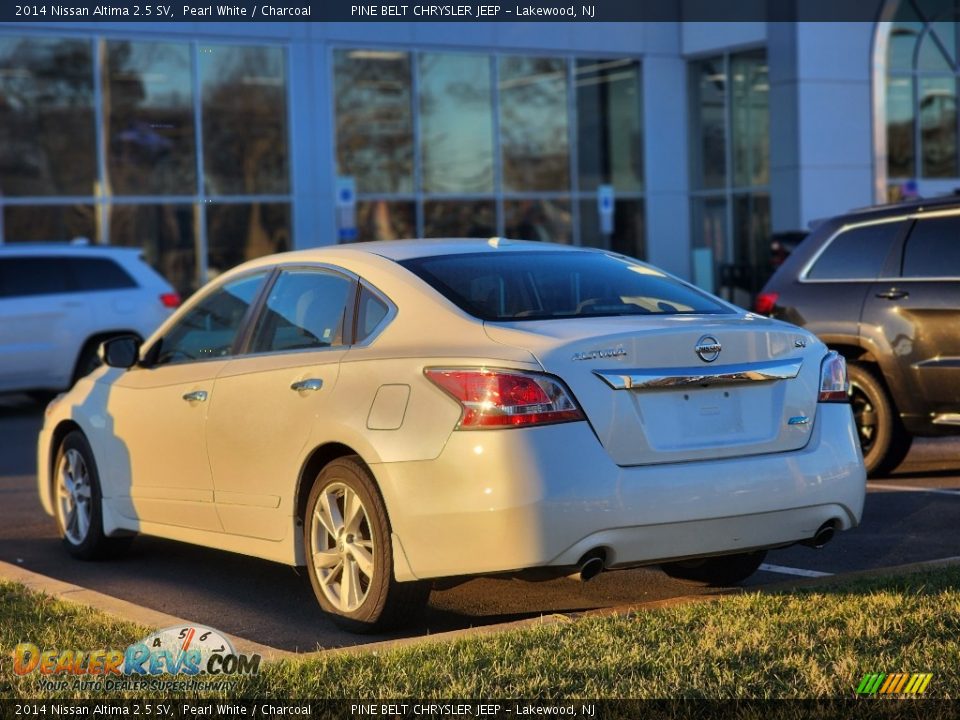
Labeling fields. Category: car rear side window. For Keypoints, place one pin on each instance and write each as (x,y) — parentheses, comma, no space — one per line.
(517,285)
(856,254)
(933,249)
(305,311)
(370,314)
(99,274)
(25,276)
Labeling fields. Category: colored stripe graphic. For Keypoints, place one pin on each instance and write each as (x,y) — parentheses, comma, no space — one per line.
(894,684)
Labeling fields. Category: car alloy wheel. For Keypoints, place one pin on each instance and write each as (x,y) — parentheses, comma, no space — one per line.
(74,497)
(349,554)
(343,552)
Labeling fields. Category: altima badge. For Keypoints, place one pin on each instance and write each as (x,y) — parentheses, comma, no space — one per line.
(597,354)
(708,348)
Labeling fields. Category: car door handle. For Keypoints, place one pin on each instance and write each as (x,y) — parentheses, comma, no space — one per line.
(893,294)
(196,396)
(313,384)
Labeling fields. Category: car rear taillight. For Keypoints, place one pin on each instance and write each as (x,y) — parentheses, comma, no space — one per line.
(833,379)
(506,398)
(170,300)
(765,303)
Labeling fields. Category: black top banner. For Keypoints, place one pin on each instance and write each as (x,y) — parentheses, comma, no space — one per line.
(467,11)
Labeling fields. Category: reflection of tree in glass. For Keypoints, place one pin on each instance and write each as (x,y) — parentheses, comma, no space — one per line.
(242,231)
(46,117)
(374,125)
(244,120)
(533,123)
(148,120)
(456,123)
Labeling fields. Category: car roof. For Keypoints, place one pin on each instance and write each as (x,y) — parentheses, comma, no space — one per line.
(908,207)
(65,249)
(400,250)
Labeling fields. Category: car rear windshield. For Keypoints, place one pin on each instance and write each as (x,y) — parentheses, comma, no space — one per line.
(517,285)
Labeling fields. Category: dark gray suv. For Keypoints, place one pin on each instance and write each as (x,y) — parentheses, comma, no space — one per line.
(882,286)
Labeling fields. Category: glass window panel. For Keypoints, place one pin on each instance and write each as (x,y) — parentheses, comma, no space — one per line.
(751,119)
(459,218)
(533,123)
(933,249)
(708,120)
(47,140)
(900,150)
(42,223)
(751,264)
(305,311)
(567,283)
(856,254)
(456,123)
(374,122)
(209,329)
(938,126)
(244,92)
(931,55)
(386,220)
(166,234)
(538,219)
(25,276)
(243,231)
(628,237)
(609,124)
(148,116)
(371,312)
(946,33)
(907,27)
(710,242)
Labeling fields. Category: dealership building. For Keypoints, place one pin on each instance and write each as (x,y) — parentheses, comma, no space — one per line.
(692,145)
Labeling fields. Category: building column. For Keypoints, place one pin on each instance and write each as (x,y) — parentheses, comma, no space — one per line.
(666,162)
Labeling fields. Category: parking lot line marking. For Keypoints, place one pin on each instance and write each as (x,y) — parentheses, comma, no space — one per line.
(911,488)
(783,570)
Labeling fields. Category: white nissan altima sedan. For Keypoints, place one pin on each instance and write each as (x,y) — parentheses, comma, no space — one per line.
(390,413)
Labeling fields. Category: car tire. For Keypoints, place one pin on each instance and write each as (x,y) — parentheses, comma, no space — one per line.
(883,439)
(87,361)
(717,571)
(350,559)
(78,505)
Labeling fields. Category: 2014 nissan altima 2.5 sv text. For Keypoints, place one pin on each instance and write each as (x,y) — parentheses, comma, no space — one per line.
(387,414)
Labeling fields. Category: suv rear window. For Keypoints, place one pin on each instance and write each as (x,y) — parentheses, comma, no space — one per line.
(856,254)
(26,276)
(520,285)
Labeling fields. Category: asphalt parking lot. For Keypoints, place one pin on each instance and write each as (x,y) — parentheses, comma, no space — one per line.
(911,516)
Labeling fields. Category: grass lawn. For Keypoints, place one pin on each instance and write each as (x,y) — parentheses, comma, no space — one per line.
(800,644)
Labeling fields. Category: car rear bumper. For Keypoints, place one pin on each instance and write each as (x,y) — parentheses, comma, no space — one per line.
(504,500)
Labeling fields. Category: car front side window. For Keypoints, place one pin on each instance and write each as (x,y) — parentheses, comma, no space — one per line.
(209,329)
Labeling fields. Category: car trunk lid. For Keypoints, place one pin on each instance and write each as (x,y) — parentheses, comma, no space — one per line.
(652,398)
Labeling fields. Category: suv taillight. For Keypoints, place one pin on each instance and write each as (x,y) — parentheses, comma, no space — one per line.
(765,303)
(505,398)
(833,379)
(170,300)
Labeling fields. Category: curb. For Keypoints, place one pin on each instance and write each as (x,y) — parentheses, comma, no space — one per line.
(121,609)
(131,612)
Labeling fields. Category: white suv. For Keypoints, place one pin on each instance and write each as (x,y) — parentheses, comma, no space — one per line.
(59,302)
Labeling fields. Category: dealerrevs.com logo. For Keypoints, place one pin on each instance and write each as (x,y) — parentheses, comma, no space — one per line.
(190,657)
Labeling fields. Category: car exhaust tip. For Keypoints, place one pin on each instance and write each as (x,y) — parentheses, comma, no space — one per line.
(590,567)
(822,536)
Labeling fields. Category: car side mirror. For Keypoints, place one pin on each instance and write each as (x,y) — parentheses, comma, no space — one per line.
(120,352)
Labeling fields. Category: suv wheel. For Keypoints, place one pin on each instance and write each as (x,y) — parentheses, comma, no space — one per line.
(883,440)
